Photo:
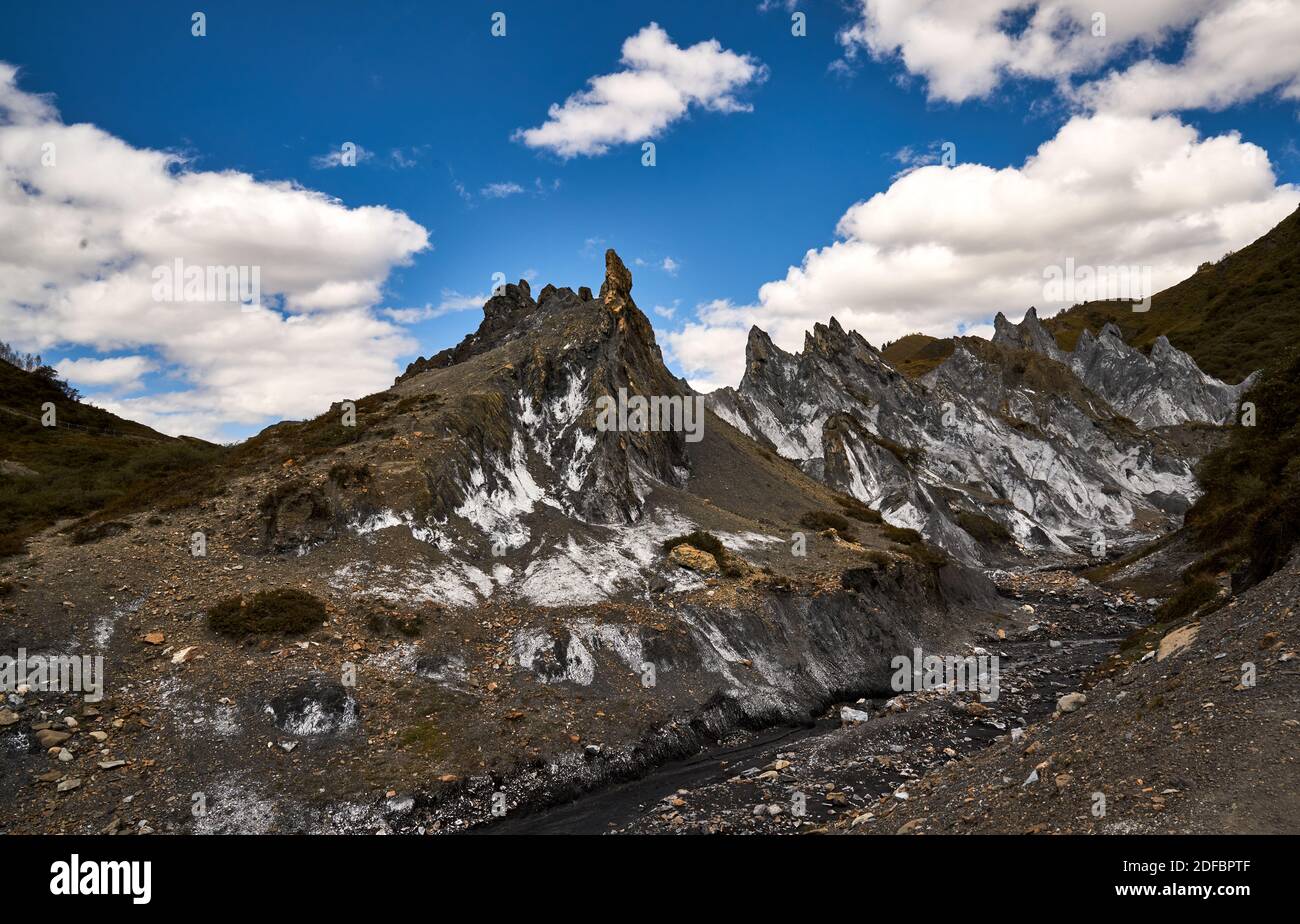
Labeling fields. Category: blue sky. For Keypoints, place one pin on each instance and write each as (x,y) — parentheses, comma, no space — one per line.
(735,199)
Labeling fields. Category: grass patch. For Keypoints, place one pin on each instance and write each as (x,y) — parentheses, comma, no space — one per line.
(820,520)
(916,354)
(408,624)
(284,611)
(1198,590)
(424,737)
(983,529)
(705,542)
(854,508)
(90,461)
(1248,519)
(730,565)
(345,474)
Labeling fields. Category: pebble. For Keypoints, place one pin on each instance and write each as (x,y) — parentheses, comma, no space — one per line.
(48,738)
(1071,701)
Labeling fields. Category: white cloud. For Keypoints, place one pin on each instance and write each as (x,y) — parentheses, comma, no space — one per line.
(964,48)
(122,373)
(500,190)
(667,311)
(670,266)
(451,301)
(1237,52)
(80,238)
(659,83)
(1106,190)
(337,157)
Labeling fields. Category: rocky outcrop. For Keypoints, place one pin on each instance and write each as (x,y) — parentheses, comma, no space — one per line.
(997,432)
(1029,334)
(1163,388)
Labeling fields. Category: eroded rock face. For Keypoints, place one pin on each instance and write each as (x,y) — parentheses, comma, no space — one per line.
(997,432)
(1164,388)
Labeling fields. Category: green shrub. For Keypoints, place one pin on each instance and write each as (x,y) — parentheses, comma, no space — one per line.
(1197,591)
(1250,511)
(345,474)
(982,528)
(859,511)
(730,565)
(705,542)
(822,520)
(284,611)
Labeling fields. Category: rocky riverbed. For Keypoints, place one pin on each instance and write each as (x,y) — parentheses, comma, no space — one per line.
(835,771)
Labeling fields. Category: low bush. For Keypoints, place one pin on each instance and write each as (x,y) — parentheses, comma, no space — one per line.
(284,611)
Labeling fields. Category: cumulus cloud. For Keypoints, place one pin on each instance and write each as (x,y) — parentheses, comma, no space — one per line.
(1106,190)
(1239,51)
(659,83)
(964,48)
(88,219)
(122,373)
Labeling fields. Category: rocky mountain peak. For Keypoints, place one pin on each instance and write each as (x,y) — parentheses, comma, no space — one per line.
(1029,334)
(983,445)
(617,287)
(1163,388)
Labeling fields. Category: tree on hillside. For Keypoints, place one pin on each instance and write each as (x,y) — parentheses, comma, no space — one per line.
(32,362)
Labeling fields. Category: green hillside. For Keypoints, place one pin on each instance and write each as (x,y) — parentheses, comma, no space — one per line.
(90,460)
(1231,316)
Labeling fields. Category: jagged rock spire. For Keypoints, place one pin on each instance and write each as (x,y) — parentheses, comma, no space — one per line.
(617,286)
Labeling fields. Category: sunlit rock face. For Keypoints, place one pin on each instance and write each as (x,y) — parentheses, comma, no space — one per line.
(1016,432)
(1161,389)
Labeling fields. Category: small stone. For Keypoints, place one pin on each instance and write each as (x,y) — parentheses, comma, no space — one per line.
(99,735)
(111,764)
(48,738)
(693,559)
(910,826)
(8,717)
(154,638)
(1071,701)
(69,785)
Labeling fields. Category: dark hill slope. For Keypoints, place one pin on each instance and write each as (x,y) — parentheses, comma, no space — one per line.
(1232,316)
(88,460)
